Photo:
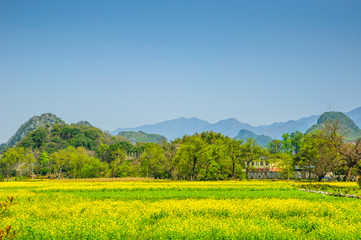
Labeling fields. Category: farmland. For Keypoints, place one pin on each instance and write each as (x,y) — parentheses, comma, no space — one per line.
(96,209)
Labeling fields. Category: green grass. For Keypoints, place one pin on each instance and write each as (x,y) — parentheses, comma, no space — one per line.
(159,194)
(337,187)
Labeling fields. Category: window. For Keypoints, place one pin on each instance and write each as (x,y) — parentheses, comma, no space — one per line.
(252,163)
(261,163)
(266,163)
(257,163)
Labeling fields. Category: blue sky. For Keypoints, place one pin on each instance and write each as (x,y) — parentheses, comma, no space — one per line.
(128,63)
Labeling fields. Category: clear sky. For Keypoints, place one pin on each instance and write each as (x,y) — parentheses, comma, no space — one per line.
(120,63)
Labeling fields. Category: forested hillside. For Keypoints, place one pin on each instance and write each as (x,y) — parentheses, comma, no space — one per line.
(52,138)
(135,137)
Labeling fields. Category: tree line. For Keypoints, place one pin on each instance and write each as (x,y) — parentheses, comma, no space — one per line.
(79,151)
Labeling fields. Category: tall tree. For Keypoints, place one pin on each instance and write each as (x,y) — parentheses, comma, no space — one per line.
(45,163)
(252,151)
(152,161)
(296,141)
(188,158)
(286,143)
(317,154)
(274,146)
(213,161)
(350,152)
(116,157)
(170,150)
(235,153)
(351,155)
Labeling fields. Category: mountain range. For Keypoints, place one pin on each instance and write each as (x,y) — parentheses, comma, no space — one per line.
(175,128)
(171,129)
(179,127)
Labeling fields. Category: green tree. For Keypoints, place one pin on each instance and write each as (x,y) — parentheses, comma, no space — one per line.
(235,153)
(214,161)
(351,156)
(170,150)
(349,152)
(296,141)
(286,143)
(188,158)
(45,163)
(17,161)
(61,160)
(274,146)
(317,155)
(152,161)
(116,157)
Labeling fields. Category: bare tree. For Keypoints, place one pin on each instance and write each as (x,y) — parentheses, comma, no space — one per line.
(350,152)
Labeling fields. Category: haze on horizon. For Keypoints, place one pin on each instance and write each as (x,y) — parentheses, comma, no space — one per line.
(130,63)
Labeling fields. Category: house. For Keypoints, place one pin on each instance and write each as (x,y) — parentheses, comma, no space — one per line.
(264,169)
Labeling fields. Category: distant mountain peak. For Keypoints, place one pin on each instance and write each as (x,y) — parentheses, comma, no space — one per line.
(186,119)
(332,116)
(243,131)
(348,127)
(230,120)
(229,127)
(84,123)
(261,140)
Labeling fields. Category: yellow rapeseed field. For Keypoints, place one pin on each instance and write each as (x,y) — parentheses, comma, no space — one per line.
(177,210)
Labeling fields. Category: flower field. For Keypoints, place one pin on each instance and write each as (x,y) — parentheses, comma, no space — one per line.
(177,210)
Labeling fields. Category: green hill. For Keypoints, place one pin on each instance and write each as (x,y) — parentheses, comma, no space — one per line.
(46,119)
(60,136)
(348,127)
(140,136)
(261,140)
